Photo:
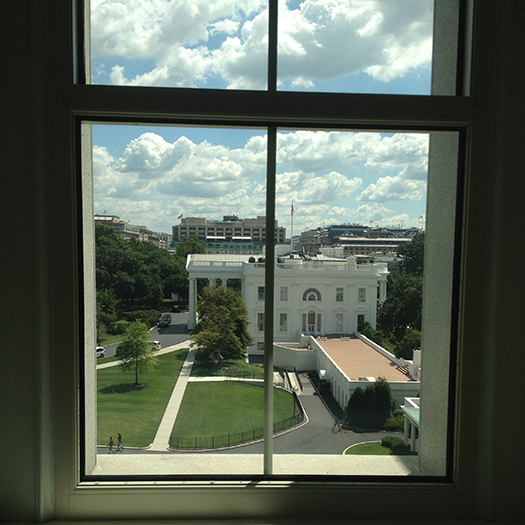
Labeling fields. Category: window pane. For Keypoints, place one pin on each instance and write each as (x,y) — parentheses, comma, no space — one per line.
(179,213)
(368,46)
(359,210)
(177,43)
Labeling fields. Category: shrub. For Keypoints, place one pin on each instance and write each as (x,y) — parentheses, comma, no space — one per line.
(118,327)
(395,423)
(148,317)
(391,442)
(396,445)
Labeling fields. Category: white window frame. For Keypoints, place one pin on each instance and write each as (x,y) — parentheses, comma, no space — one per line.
(339,295)
(64,497)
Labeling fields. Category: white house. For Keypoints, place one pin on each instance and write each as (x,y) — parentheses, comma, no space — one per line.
(320,295)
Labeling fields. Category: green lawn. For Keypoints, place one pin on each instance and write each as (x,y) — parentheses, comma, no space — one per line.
(369,449)
(215,408)
(135,412)
(232,367)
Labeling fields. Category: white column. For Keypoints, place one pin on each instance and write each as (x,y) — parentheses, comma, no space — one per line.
(412,437)
(224,282)
(191,305)
(405,432)
(211,282)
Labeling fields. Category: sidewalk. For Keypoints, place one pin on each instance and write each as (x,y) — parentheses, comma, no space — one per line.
(168,349)
(161,441)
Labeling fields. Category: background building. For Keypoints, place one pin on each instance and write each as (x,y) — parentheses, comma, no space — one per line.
(231,235)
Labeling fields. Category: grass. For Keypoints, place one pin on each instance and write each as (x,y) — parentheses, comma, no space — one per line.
(216,408)
(231,367)
(135,412)
(369,449)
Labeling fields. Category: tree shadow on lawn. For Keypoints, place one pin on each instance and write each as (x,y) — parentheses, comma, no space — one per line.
(122,388)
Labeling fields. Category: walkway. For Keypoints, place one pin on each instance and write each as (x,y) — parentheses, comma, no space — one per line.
(162,438)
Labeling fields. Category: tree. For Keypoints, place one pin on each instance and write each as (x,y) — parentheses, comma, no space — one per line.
(371,407)
(189,245)
(412,254)
(399,317)
(135,350)
(222,330)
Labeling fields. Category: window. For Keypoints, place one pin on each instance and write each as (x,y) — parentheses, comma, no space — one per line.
(284,293)
(338,318)
(270,133)
(360,322)
(339,295)
(311,295)
(361,293)
(260,322)
(283,322)
(498,20)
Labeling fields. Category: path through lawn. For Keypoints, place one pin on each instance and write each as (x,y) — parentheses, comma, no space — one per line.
(135,412)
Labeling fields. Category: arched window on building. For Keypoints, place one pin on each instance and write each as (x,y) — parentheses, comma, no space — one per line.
(311,295)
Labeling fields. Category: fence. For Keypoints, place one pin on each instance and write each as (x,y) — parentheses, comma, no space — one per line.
(230,440)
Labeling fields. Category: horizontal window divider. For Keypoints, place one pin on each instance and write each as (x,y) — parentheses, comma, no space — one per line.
(260,108)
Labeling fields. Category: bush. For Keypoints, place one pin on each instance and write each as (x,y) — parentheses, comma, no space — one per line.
(395,423)
(391,442)
(118,327)
(396,445)
(148,317)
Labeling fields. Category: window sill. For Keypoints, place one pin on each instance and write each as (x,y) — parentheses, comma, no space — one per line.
(209,464)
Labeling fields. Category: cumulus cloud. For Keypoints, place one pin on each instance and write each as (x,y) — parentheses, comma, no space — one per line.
(191,43)
(325,174)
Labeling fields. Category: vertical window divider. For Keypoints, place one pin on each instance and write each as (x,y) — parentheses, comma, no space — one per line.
(269,273)
(270,243)
(272,45)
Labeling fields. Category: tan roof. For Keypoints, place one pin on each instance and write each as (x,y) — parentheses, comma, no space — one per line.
(356,359)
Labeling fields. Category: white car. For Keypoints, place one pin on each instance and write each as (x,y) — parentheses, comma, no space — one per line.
(155,345)
(101,351)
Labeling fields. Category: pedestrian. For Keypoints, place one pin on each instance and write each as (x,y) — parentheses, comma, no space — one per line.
(119,442)
(110,445)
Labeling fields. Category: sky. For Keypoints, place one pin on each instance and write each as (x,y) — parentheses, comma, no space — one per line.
(152,175)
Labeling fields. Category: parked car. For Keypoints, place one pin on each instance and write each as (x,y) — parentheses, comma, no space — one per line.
(155,345)
(163,323)
(101,351)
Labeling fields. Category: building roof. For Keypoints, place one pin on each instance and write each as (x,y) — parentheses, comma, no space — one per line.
(357,359)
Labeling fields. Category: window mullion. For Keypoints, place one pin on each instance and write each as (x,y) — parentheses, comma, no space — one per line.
(272,45)
(269,299)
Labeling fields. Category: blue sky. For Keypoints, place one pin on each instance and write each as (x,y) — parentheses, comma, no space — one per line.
(151,175)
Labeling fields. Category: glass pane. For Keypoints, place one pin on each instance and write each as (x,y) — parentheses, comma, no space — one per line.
(360,46)
(168,202)
(178,43)
(356,205)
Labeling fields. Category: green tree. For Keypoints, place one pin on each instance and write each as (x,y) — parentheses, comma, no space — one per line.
(370,408)
(222,330)
(135,350)
(399,316)
(413,254)
(189,245)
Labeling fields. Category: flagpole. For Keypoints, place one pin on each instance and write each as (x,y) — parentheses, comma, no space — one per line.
(291,235)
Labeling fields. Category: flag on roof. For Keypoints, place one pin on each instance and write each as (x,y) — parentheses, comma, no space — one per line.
(180,216)
(293,211)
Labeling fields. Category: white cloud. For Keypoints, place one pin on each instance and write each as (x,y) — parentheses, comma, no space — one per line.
(189,42)
(322,173)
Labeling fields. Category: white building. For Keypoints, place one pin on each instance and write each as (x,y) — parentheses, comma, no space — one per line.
(312,296)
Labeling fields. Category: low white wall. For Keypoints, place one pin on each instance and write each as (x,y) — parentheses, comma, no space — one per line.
(285,356)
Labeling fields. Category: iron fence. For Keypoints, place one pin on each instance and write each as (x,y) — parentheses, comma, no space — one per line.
(238,438)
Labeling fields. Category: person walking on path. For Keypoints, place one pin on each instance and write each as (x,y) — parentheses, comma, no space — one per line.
(119,442)
(110,445)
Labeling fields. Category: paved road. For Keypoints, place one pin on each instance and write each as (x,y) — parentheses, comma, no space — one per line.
(175,333)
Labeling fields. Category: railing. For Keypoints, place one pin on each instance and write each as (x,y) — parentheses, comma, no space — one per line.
(234,439)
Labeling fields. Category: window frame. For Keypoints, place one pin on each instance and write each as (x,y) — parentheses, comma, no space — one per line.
(75,499)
